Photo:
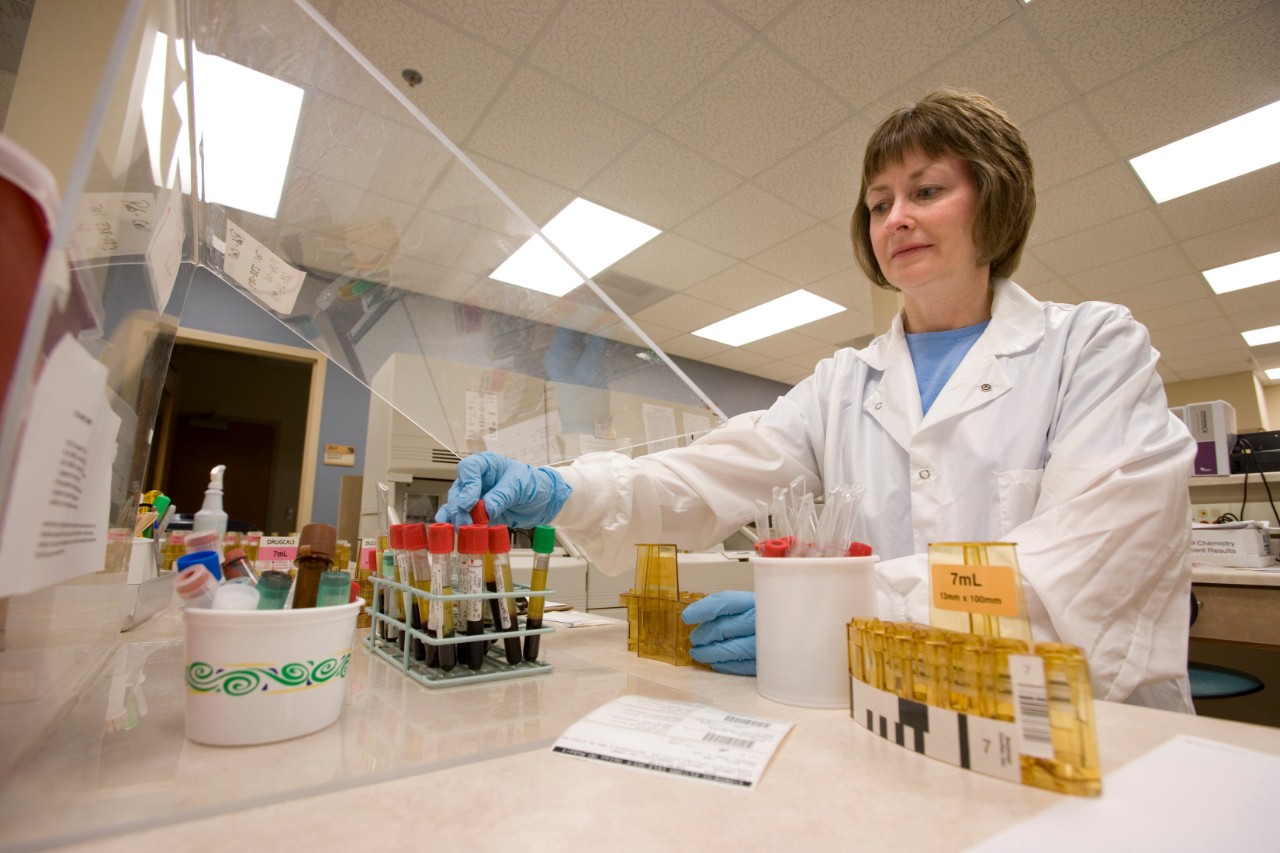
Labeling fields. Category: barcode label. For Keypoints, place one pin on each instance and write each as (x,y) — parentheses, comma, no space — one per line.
(725,740)
(1031,701)
(747,721)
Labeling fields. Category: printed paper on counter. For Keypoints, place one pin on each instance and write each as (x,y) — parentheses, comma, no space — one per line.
(679,738)
(260,270)
(55,527)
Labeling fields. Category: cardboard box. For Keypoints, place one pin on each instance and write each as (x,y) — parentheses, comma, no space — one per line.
(1213,426)
(1241,544)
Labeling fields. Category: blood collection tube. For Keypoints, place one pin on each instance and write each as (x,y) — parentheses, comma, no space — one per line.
(316,544)
(396,540)
(440,614)
(414,539)
(196,586)
(273,590)
(504,609)
(473,544)
(236,565)
(544,542)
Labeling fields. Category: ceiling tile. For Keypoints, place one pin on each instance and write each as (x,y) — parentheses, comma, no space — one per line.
(1098,40)
(453,243)
(684,313)
(1190,350)
(545,128)
(660,182)
(823,177)
(1031,270)
(740,287)
(839,328)
(780,371)
(1210,327)
(641,57)
(672,261)
(1162,294)
(1105,281)
(1232,71)
(459,194)
(1258,317)
(1005,64)
(460,75)
(1056,290)
(1179,315)
(754,112)
(659,333)
(863,50)
(810,359)
(539,199)
(745,222)
(1216,364)
(849,288)
(1103,244)
(737,359)
(757,13)
(1211,372)
(783,344)
(1100,196)
(1238,243)
(810,256)
(1064,144)
(508,24)
(1256,302)
(1232,202)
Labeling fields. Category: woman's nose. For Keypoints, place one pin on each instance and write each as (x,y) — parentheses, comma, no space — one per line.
(897,218)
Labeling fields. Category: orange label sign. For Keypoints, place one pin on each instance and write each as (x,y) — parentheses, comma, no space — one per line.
(989,590)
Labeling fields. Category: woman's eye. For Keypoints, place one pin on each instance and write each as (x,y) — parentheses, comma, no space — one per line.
(878,208)
(927,192)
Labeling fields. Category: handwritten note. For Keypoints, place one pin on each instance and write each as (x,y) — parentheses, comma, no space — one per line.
(164,254)
(55,526)
(260,270)
(109,225)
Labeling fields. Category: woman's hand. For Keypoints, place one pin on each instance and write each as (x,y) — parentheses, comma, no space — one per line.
(515,494)
(726,637)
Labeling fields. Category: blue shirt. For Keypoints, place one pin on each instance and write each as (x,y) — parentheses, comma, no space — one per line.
(936,355)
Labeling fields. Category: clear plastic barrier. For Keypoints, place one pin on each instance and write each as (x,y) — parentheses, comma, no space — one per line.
(381,250)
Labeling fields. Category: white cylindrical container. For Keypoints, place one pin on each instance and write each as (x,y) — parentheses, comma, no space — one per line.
(803,608)
(257,676)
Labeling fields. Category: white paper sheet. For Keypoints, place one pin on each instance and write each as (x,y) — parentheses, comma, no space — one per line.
(695,426)
(1188,794)
(679,738)
(110,225)
(56,524)
(532,441)
(659,427)
(576,619)
(260,270)
(164,255)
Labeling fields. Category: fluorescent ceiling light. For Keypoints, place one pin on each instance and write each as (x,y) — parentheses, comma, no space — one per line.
(1259,337)
(247,121)
(591,236)
(1242,274)
(1236,147)
(777,315)
(1273,373)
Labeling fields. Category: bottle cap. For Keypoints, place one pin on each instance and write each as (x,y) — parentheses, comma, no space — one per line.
(317,540)
(544,539)
(208,559)
(413,536)
(859,549)
(499,539)
(397,537)
(479,515)
(200,540)
(233,555)
(372,560)
(473,539)
(335,589)
(192,578)
(440,538)
(279,581)
(777,548)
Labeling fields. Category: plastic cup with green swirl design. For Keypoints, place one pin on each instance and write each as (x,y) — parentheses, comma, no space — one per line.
(257,676)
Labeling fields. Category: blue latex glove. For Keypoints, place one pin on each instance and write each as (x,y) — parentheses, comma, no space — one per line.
(726,635)
(515,494)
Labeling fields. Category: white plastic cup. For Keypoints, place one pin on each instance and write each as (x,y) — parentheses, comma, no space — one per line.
(803,608)
(258,676)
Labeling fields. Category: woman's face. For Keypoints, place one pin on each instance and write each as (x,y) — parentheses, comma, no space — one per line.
(922,214)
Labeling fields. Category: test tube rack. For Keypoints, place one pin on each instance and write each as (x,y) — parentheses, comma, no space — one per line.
(494,666)
(1000,706)
(654,628)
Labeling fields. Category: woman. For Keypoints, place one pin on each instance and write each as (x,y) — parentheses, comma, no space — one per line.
(982,414)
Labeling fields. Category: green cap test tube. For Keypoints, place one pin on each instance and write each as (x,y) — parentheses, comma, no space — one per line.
(273,589)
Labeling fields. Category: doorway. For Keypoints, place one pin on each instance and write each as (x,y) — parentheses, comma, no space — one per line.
(249,408)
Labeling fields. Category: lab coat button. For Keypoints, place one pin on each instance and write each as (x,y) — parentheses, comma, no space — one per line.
(924,474)
(878,406)
(986,386)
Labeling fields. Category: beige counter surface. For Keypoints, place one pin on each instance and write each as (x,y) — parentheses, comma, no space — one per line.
(471,767)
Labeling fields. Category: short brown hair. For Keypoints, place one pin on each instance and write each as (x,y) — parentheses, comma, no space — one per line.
(971,127)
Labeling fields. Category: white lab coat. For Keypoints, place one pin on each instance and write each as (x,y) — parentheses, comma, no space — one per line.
(1053,433)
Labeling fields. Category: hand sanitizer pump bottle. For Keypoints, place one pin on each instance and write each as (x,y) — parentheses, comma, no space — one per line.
(211,516)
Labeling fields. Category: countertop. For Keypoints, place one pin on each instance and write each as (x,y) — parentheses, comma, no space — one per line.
(471,767)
